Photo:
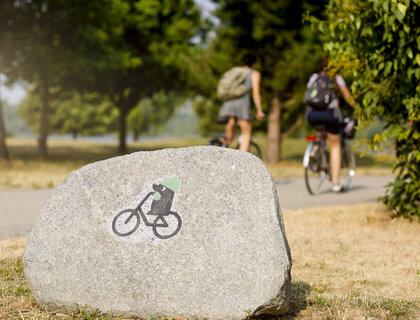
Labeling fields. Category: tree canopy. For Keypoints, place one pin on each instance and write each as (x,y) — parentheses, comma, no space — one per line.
(121,49)
(71,113)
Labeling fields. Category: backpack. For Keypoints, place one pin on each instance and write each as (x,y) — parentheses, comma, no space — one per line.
(320,93)
(232,84)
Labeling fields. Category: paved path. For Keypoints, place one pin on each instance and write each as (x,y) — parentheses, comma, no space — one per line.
(293,195)
(20,208)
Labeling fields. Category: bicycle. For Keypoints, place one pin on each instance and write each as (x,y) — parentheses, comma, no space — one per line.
(253,147)
(316,161)
(123,225)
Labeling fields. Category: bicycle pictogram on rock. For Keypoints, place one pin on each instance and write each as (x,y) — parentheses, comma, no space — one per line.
(166,223)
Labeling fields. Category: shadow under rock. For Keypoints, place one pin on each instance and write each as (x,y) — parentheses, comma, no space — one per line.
(298,302)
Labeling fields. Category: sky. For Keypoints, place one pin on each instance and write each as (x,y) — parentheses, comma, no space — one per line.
(14,95)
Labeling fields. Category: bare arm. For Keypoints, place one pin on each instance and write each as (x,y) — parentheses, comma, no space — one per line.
(255,80)
(347,96)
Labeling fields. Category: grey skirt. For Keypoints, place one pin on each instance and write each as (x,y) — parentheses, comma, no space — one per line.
(238,108)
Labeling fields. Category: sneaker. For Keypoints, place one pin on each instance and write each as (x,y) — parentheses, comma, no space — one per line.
(337,187)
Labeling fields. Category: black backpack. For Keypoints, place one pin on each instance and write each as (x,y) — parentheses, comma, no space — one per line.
(320,94)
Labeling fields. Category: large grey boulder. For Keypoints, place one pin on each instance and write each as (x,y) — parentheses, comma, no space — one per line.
(213,247)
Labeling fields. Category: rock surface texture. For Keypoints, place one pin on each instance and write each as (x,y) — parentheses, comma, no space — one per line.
(192,233)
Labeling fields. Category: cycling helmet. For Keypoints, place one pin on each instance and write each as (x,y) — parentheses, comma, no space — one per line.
(171,183)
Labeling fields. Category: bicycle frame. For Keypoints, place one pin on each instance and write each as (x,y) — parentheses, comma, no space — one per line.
(319,139)
(143,216)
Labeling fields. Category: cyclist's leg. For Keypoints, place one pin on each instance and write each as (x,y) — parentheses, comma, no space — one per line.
(246,129)
(335,156)
(333,129)
(230,130)
(328,119)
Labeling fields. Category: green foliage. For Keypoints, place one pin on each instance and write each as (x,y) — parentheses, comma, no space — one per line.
(124,50)
(86,314)
(378,43)
(12,282)
(151,114)
(71,113)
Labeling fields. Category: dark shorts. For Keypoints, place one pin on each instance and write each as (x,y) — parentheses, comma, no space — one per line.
(324,117)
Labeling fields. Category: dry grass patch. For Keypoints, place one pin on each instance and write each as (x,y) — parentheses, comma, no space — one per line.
(12,248)
(354,262)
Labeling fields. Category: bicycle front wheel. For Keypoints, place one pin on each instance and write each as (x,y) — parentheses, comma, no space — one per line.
(348,166)
(255,149)
(126,222)
(315,174)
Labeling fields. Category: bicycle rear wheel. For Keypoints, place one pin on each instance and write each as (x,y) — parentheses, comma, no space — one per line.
(348,166)
(315,174)
(215,142)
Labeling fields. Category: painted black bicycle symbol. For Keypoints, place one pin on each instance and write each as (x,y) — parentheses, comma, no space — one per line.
(127,221)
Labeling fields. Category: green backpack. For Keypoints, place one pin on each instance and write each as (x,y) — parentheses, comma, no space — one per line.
(232,84)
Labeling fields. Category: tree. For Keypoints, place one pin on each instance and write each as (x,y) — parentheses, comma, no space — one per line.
(378,43)
(287,55)
(4,153)
(149,116)
(117,48)
(29,50)
(154,36)
(71,113)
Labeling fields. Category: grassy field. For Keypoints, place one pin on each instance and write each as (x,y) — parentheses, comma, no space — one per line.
(26,170)
(349,262)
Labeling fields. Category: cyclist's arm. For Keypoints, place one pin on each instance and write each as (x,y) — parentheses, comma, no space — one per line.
(345,91)
(347,96)
(255,80)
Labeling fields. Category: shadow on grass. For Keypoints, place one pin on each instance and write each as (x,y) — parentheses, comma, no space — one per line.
(298,302)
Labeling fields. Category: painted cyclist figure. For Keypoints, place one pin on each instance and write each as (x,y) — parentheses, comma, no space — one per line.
(163,197)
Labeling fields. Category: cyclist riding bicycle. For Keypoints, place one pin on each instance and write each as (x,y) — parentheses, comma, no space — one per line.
(323,109)
(239,108)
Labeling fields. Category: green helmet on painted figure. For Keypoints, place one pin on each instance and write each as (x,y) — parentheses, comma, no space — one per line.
(171,183)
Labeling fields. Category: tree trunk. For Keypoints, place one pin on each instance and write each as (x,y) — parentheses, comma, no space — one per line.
(273,129)
(43,148)
(4,154)
(122,148)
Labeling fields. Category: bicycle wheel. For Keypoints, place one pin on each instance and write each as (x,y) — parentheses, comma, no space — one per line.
(315,174)
(348,166)
(168,226)
(126,222)
(215,142)
(255,149)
